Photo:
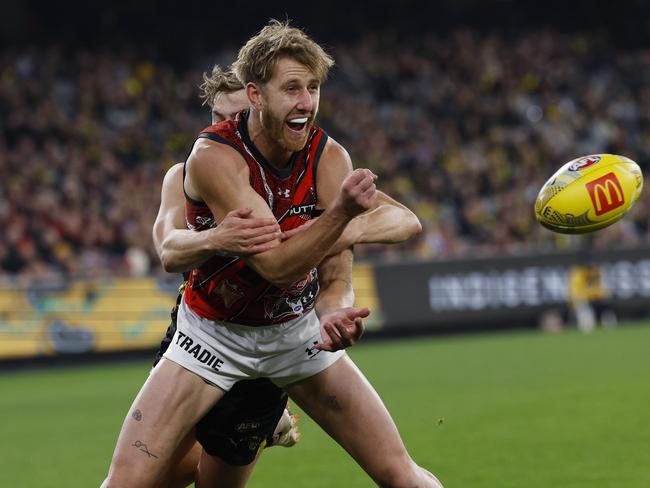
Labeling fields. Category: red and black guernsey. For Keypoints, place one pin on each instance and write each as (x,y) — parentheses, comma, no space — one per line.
(225,288)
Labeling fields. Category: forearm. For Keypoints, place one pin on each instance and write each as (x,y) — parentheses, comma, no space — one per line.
(387,224)
(335,276)
(294,258)
(183,250)
(335,294)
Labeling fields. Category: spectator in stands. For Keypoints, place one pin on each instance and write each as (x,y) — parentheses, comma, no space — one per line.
(464,130)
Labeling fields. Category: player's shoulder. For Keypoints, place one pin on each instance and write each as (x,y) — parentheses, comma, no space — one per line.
(215,154)
(173,176)
(335,155)
(174,171)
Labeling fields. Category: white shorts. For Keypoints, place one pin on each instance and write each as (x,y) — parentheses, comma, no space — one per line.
(223,353)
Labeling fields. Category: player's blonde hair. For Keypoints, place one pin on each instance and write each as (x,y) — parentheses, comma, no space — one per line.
(216,82)
(259,56)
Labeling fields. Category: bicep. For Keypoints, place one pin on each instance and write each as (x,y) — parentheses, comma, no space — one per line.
(171,213)
(219,176)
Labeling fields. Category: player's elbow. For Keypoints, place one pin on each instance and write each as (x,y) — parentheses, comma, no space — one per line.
(414,227)
(168,263)
(410,226)
(170,260)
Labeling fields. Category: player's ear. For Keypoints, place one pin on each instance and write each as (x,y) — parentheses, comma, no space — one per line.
(254,94)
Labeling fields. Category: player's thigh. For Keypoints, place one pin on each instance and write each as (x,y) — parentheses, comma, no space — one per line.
(214,472)
(166,408)
(347,407)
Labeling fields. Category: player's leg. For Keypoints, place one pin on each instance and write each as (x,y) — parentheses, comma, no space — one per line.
(169,404)
(234,432)
(345,405)
(214,472)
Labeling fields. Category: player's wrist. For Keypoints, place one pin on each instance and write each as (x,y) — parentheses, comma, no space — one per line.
(338,214)
(212,241)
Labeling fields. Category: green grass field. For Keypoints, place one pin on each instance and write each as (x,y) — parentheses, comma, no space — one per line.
(522,410)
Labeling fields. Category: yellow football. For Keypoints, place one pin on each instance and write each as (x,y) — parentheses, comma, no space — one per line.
(589,193)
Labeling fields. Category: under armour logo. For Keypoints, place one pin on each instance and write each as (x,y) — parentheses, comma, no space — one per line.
(283,193)
(312,351)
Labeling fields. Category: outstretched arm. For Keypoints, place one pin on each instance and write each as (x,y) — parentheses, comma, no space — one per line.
(390,222)
(181,249)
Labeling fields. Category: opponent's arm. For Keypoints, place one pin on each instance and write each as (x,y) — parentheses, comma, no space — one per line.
(181,249)
(390,222)
(218,175)
(341,323)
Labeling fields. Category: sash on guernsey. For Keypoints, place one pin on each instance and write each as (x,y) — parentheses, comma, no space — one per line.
(224,288)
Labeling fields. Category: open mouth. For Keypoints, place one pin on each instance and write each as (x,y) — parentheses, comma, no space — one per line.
(297,124)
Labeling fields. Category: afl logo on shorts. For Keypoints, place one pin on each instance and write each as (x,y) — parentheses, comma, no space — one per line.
(583,163)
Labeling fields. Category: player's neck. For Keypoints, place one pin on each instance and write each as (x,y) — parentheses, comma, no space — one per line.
(274,153)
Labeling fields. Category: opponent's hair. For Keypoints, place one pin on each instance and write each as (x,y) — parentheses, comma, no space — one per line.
(218,81)
(259,56)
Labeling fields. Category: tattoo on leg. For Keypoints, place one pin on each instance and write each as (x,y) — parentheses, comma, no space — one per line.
(137,415)
(333,403)
(143,447)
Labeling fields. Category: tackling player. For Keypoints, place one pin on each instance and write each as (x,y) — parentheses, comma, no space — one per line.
(255,402)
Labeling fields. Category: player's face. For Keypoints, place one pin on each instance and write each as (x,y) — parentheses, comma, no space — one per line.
(227,105)
(289,104)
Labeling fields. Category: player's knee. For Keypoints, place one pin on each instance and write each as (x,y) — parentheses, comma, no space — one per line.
(397,474)
(406,474)
(124,474)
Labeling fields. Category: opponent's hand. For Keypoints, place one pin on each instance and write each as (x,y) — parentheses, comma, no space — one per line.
(358,193)
(239,234)
(341,328)
(292,232)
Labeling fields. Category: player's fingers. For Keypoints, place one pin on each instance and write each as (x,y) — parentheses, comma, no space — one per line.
(361,186)
(259,231)
(367,198)
(358,329)
(352,312)
(269,236)
(326,344)
(240,212)
(341,336)
(292,232)
(346,338)
(273,229)
(369,192)
(257,223)
(260,248)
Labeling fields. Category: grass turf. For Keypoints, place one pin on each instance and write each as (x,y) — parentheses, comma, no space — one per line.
(519,410)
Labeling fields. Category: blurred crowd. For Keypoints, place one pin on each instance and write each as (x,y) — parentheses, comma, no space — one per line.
(463,129)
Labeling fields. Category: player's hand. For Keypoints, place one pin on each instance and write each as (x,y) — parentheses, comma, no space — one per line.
(239,234)
(292,232)
(358,193)
(341,328)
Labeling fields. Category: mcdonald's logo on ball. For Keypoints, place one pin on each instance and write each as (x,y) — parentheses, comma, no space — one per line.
(606,193)
(589,193)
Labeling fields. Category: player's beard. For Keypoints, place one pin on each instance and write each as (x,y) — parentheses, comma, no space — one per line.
(276,129)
